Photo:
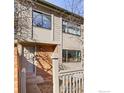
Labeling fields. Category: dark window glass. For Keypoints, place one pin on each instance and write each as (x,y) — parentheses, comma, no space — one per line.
(64,26)
(41,20)
(37,19)
(46,21)
(64,55)
(78,55)
(71,56)
(64,29)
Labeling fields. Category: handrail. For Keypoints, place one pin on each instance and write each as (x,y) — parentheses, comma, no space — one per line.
(70,71)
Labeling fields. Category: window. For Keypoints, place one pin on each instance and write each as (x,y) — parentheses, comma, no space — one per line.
(28,59)
(71,55)
(64,55)
(64,26)
(46,21)
(71,28)
(41,20)
(37,19)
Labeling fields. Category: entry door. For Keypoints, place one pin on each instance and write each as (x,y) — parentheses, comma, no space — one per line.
(28,60)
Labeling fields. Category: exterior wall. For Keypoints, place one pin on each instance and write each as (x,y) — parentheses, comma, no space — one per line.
(72,42)
(44,68)
(57,28)
(16,71)
(44,61)
(36,33)
(67,41)
(72,66)
(24,22)
(55,34)
(58,35)
(43,78)
(42,82)
(41,34)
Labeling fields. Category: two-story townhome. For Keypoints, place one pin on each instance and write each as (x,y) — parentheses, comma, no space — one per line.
(48,49)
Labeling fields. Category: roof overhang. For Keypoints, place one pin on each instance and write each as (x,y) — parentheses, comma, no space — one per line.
(59,9)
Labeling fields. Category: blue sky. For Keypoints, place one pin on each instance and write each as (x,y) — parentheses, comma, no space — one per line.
(67,4)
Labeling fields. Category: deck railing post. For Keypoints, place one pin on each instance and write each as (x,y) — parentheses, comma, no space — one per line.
(55,74)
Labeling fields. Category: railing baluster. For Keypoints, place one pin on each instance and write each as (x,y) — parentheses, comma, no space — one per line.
(70,83)
(67,84)
(73,85)
(79,86)
(63,84)
(82,84)
(76,85)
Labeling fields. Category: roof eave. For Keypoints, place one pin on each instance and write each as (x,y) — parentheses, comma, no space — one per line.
(59,8)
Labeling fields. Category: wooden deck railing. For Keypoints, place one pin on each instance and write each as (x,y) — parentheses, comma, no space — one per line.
(71,81)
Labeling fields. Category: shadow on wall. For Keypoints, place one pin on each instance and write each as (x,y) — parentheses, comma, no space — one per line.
(43,67)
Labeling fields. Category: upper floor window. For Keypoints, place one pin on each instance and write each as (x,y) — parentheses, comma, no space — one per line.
(70,28)
(71,55)
(41,20)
